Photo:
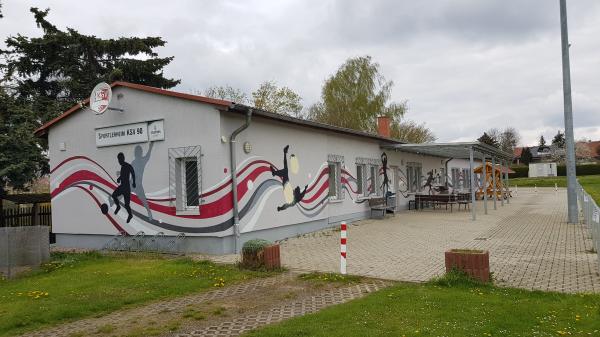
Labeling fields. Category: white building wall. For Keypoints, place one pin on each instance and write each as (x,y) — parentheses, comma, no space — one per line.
(542,170)
(84,175)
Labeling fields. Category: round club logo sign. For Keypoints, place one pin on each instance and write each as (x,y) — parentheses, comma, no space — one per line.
(100,98)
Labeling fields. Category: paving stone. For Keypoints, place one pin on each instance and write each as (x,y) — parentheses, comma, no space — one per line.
(284,311)
(531,245)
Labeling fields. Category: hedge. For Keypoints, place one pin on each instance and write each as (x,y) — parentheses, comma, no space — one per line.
(561,170)
(520,171)
(582,170)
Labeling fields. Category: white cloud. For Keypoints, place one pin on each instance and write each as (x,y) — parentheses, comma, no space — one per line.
(463,65)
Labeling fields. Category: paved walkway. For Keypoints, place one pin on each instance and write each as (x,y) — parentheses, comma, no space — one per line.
(228,311)
(531,246)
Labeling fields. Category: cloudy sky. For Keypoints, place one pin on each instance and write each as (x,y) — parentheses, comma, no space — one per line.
(463,65)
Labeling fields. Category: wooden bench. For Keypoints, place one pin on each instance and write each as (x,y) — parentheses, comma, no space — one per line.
(379,205)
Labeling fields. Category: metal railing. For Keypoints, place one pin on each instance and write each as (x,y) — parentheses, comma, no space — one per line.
(140,242)
(591,217)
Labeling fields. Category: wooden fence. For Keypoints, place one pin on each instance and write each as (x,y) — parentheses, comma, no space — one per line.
(36,215)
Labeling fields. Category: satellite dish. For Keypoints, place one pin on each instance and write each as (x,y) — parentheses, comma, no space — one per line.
(100,98)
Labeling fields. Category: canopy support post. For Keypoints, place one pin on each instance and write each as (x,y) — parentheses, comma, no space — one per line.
(484,185)
(472,183)
(494,181)
(502,163)
(507,189)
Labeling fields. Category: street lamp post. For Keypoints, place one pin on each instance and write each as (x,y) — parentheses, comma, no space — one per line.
(573,216)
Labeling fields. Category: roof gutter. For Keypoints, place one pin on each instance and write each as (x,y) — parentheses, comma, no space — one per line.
(234,183)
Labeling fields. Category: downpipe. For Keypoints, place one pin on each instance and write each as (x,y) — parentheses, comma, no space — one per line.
(234,183)
(446,173)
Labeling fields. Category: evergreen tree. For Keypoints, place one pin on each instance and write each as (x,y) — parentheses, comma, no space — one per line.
(60,68)
(542,141)
(20,157)
(46,75)
(526,156)
(559,140)
(487,139)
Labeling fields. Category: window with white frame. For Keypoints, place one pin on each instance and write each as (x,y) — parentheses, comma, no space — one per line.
(185,178)
(457,182)
(414,176)
(334,163)
(360,179)
(368,169)
(466,176)
(372,180)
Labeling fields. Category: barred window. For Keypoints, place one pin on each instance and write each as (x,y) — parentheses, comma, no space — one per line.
(185,178)
(334,163)
(414,176)
(360,179)
(334,180)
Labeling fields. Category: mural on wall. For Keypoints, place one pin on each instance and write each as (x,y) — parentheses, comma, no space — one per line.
(402,183)
(124,188)
(139,166)
(292,197)
(385,186)
(430,183)
(154,210)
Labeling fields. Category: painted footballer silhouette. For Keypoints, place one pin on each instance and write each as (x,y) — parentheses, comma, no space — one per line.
(292,197)
(124,188)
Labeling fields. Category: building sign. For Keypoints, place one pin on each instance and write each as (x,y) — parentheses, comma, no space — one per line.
(130,133)
(156,130)
(100,98)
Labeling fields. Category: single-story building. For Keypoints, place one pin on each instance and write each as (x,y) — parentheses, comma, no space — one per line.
(223,173)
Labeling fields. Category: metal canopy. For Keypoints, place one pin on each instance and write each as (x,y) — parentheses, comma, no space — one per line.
(451,150)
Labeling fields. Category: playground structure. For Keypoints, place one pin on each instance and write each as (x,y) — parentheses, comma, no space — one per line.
(489,182)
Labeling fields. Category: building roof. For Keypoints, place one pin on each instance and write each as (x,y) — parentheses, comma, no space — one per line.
(43,130)
(594,147)
(517,152)
(459,150)
(223,105)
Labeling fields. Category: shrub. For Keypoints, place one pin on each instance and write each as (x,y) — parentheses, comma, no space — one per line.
(252,256)
(256,245)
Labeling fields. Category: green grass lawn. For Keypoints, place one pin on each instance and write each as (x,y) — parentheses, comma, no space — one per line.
(590,183)
(74,286)
(457,308)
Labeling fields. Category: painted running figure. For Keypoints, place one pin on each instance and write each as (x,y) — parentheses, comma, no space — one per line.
(385,186)
(298,196)
(124,188)
(283,173)
(139,165)
(429,182)
(292,197)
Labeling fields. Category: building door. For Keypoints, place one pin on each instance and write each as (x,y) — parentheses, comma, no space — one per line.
(393,171)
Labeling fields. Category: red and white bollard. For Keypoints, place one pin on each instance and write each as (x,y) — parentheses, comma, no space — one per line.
(343,238)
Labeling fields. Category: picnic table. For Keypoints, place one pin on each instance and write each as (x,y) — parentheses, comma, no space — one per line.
(433,200)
